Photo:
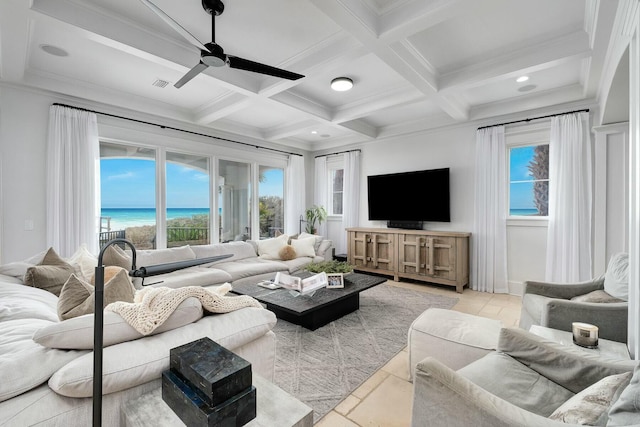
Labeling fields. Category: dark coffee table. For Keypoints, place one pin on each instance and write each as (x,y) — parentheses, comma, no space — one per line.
(325,306)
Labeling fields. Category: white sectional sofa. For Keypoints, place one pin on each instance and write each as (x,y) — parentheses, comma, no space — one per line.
(50,386)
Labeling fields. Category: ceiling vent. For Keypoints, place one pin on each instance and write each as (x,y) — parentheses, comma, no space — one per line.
(160,83)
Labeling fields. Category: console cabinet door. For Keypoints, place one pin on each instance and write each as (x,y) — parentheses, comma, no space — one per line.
(427,256)
(372,251)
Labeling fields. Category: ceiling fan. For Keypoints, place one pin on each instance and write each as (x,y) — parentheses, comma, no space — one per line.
(212,54)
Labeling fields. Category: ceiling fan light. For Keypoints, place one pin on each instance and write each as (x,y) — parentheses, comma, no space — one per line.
(341,84)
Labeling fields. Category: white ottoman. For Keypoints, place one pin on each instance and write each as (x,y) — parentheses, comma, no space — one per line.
(455,339)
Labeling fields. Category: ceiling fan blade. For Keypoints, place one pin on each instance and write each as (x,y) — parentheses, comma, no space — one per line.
(191,74)
(256,67)
(173,24)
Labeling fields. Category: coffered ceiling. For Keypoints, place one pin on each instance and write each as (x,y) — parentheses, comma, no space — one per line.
(416,64)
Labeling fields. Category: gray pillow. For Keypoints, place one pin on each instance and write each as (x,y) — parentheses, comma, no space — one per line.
(598,296)
(77,296)
(616,279)
(50,274)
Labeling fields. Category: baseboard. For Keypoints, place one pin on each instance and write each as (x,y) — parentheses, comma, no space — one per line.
(516,288)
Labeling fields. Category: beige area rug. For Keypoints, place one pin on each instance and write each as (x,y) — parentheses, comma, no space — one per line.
(324,366)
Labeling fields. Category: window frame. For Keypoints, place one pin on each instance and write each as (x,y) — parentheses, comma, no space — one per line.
(523,136)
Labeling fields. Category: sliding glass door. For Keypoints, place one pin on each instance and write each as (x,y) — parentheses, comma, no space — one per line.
(234,200)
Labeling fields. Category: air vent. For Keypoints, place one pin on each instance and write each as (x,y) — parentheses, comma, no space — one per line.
(160,83)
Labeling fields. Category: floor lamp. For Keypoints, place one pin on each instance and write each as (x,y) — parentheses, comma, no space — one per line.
(98,318)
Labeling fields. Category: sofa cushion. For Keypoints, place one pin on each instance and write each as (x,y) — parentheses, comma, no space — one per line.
(625,411)
(23,363)
(192,276)
(136,362)
(50,274)
(77,296)
(238,250)
(616,278)
(304,247)
(251,267)
(516,383)
(590,406)
(269,248)
(77,333)
(23,302)
(145,258)
(297,264)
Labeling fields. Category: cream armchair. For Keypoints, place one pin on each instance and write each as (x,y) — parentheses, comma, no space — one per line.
(527,381)
(601,302)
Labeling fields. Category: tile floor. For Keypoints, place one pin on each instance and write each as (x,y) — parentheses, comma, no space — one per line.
(384,400)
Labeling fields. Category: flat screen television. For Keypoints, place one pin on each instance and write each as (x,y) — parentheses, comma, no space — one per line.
(409,196)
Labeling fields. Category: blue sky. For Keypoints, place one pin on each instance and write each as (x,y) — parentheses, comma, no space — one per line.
(130,183)
(521,194)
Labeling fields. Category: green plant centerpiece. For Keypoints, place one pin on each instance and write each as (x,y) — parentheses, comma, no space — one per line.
(314,214)
(330,267)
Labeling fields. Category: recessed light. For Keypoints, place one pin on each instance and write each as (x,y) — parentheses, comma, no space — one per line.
(341,84)
(522,79)
(54,50)
(325,135)
(315,132)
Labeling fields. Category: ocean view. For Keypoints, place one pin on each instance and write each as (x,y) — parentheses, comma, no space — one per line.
(121,218)
(523,212)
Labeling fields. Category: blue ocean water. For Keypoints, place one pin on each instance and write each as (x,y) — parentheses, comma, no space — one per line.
(121,218)
(523,212)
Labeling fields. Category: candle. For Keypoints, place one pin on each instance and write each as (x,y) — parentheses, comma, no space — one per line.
(585,334)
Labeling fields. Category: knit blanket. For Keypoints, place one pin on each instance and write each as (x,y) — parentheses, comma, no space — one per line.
(151,307)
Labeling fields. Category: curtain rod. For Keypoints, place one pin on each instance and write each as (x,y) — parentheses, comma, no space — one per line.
(178,129)
(339,152)
(586,110)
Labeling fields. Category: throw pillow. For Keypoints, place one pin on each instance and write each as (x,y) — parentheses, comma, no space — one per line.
(304,247)
(77,296)
(318,240)
(625,410)
(269,248)
(598,296)
(115,255)
(591,405)
(50,274)
(77,333)
(85,261)
(287,253)
(616,279)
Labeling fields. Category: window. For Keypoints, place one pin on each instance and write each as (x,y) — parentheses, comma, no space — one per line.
(128,194)
(529,180)
(271,201)
(187,178)
(336,189)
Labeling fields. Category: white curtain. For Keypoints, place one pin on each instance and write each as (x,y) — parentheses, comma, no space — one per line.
(320,196)
(73,156)
(350,196)
(294,194)
(489,238)
(570,171)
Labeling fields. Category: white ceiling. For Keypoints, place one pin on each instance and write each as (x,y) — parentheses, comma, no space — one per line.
(416,64)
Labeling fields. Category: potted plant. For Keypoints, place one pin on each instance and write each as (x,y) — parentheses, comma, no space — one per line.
(313,214)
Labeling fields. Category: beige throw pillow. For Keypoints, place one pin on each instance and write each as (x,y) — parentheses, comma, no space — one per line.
(50,274)
(598,296)
(590,406)
(270,248)
(287,253)
(85,261)
(115,255)
(77,295)
(304,247)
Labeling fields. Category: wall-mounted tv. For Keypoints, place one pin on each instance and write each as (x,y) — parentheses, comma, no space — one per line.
(409,196)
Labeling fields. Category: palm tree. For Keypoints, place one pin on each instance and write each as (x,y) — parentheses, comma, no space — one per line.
(539,168)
